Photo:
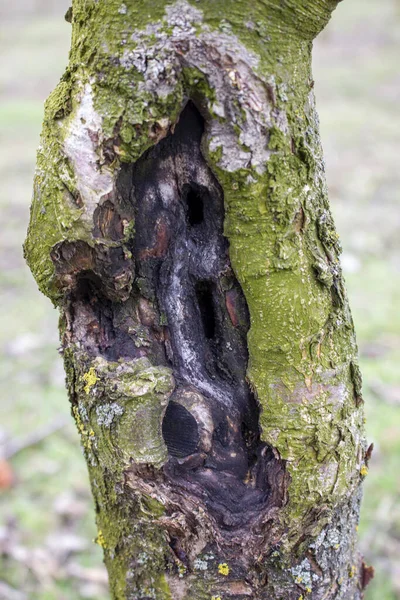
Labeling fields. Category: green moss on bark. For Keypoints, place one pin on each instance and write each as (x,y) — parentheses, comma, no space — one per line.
(118,412)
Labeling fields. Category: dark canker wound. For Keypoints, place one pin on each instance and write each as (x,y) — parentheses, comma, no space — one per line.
(178,303)
(182,265)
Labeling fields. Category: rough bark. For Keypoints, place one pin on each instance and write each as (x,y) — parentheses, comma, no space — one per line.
(180,222)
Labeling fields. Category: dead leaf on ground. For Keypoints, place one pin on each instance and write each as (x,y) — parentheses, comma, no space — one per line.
(7,477)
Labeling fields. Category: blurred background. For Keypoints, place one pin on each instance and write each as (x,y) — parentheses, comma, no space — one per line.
(46,516)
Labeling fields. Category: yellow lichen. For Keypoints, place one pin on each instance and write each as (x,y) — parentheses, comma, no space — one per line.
(223,569)
(91,378)
(216,598)
(87,436)
(100,539)
(352,571)
(364,471)
(79,424)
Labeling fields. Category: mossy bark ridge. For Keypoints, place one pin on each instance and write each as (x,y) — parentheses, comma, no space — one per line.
(180,222)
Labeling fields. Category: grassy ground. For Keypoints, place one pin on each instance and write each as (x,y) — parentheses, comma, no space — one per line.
(46,522)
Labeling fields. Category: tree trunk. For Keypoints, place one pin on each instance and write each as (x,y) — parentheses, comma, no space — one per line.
(180,221)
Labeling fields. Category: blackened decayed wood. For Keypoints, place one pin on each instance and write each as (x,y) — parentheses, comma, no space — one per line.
(170,295)
(183,267)
(180,431)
